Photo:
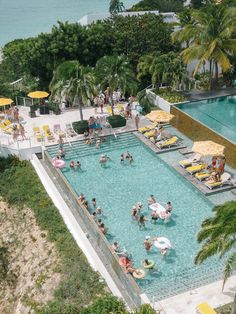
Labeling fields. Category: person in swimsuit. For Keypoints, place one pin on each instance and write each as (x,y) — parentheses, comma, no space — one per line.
(72,164)
(147,244)
(154,216)
(141,221)
(151,200)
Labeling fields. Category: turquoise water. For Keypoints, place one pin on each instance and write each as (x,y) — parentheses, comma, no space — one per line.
(218,114)
(25,18)
(118,187)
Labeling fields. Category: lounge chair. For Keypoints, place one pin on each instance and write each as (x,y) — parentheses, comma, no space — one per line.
(202,175)
(168,143)
(188,162)
(57,130)
(148,127)
(38,134)
(205,308)
(151,133)
(109,110)
(6,128)
(70,131)
(196,168)
(120,108)
(47,132)
(225,179)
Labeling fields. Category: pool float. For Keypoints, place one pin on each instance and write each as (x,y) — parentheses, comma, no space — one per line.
(150,265)
(159,209)
(124,262)
(58,163)
(139,273)
(162,243)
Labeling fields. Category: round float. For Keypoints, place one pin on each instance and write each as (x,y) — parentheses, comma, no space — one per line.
(150,265)
(139,273)
(162,243)
(58,163)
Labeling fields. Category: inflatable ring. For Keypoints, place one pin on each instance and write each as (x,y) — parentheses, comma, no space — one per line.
(58,163)
(123,262)
(139,273)
(162,243)
(150,265)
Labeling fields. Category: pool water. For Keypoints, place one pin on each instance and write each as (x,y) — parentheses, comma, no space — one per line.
(218,114)
(117,187)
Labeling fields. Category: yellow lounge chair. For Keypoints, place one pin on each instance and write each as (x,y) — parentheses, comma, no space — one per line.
(196,168)
(147,127)
(109,110)
(225,179)
(120,108)
(205,308)
(188,162)
(37,134)
(47,132)
(151,133)
(202,175)
(168,143)
(6,128)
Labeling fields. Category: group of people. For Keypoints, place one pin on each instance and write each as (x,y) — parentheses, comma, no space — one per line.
(75,165)
(148,243)
(126,157)
(18,131)
(141,219)
(94,124)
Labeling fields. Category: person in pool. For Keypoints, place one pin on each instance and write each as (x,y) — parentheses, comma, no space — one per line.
(98,210)
(141,221)
(146,262)
(115,247)
(147,244)
(78,164)
(169,207)
(94,202)
(72,164)
(151,200)
(134,213)
(122,158)
(154,216)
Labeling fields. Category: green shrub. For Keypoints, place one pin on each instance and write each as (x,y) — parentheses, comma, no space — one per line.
(3,262)
(117,121)
(80,126)
(170,95)
(54,106)
(106,305)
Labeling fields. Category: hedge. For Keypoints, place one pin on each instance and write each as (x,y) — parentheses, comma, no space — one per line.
(80,126)
(116,121)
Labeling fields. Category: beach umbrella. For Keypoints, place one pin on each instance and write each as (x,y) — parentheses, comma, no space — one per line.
(5,101)
(38,94)
(159,116)
(208,148)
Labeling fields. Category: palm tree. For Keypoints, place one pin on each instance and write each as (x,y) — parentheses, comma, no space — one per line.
(115,72)
(211,37)
(76,80)
(116,6)
(166,68)
(218,235)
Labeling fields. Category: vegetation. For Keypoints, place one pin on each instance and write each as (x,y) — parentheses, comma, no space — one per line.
(116,121)
(218,235)
(170,95)
(19,185)
(3,262)
(80,126)
(116,6)
(160,5)
(210,36)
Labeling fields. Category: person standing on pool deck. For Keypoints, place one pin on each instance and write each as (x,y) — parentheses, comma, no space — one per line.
(137,120)
(147,244)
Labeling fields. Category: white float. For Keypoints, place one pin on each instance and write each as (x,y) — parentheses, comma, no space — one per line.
(159,209)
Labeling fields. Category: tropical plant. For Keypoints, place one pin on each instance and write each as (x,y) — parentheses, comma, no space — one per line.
(160,5)
(76,80)
(218,235)
(165,69)
(116,6)
(115,72)
(211,37)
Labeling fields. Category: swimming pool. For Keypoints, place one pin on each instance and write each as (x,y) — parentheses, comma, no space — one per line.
(218,114)
(118,187)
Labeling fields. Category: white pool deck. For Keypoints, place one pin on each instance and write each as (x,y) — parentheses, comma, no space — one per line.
(183,303)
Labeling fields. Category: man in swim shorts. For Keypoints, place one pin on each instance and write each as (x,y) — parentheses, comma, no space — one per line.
(154,216)
(147,244)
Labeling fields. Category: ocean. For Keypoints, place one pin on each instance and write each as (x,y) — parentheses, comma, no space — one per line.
(27,18)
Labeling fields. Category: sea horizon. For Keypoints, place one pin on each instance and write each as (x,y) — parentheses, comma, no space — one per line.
(28,18)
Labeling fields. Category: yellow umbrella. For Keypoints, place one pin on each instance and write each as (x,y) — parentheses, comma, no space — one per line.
(208,148)
(5,101)
(38,94)
(159,116)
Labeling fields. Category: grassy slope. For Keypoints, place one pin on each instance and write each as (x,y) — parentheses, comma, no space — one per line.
(20,185)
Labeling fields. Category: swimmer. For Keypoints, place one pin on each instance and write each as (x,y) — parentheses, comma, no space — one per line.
(86,205)
(94,202)
(151,200)
(103,159)
(99,222)
(98,143)
(94,216)
(115,247)
(169,207)
(131,159)
(99,211)
(164,251)
(103,229)
(154,216)
(134,213)
(81,197)
(61,153)
(146,262)
(139,207)
(141,221)
(147,244)
(72,164)
(167,217)
(122,159)
(78,164)
(89,141)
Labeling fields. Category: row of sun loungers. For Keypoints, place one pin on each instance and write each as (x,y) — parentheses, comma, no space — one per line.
(197,168)
(6,127)
(46,132)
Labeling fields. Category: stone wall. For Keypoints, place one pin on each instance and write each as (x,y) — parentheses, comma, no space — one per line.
(197,131)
